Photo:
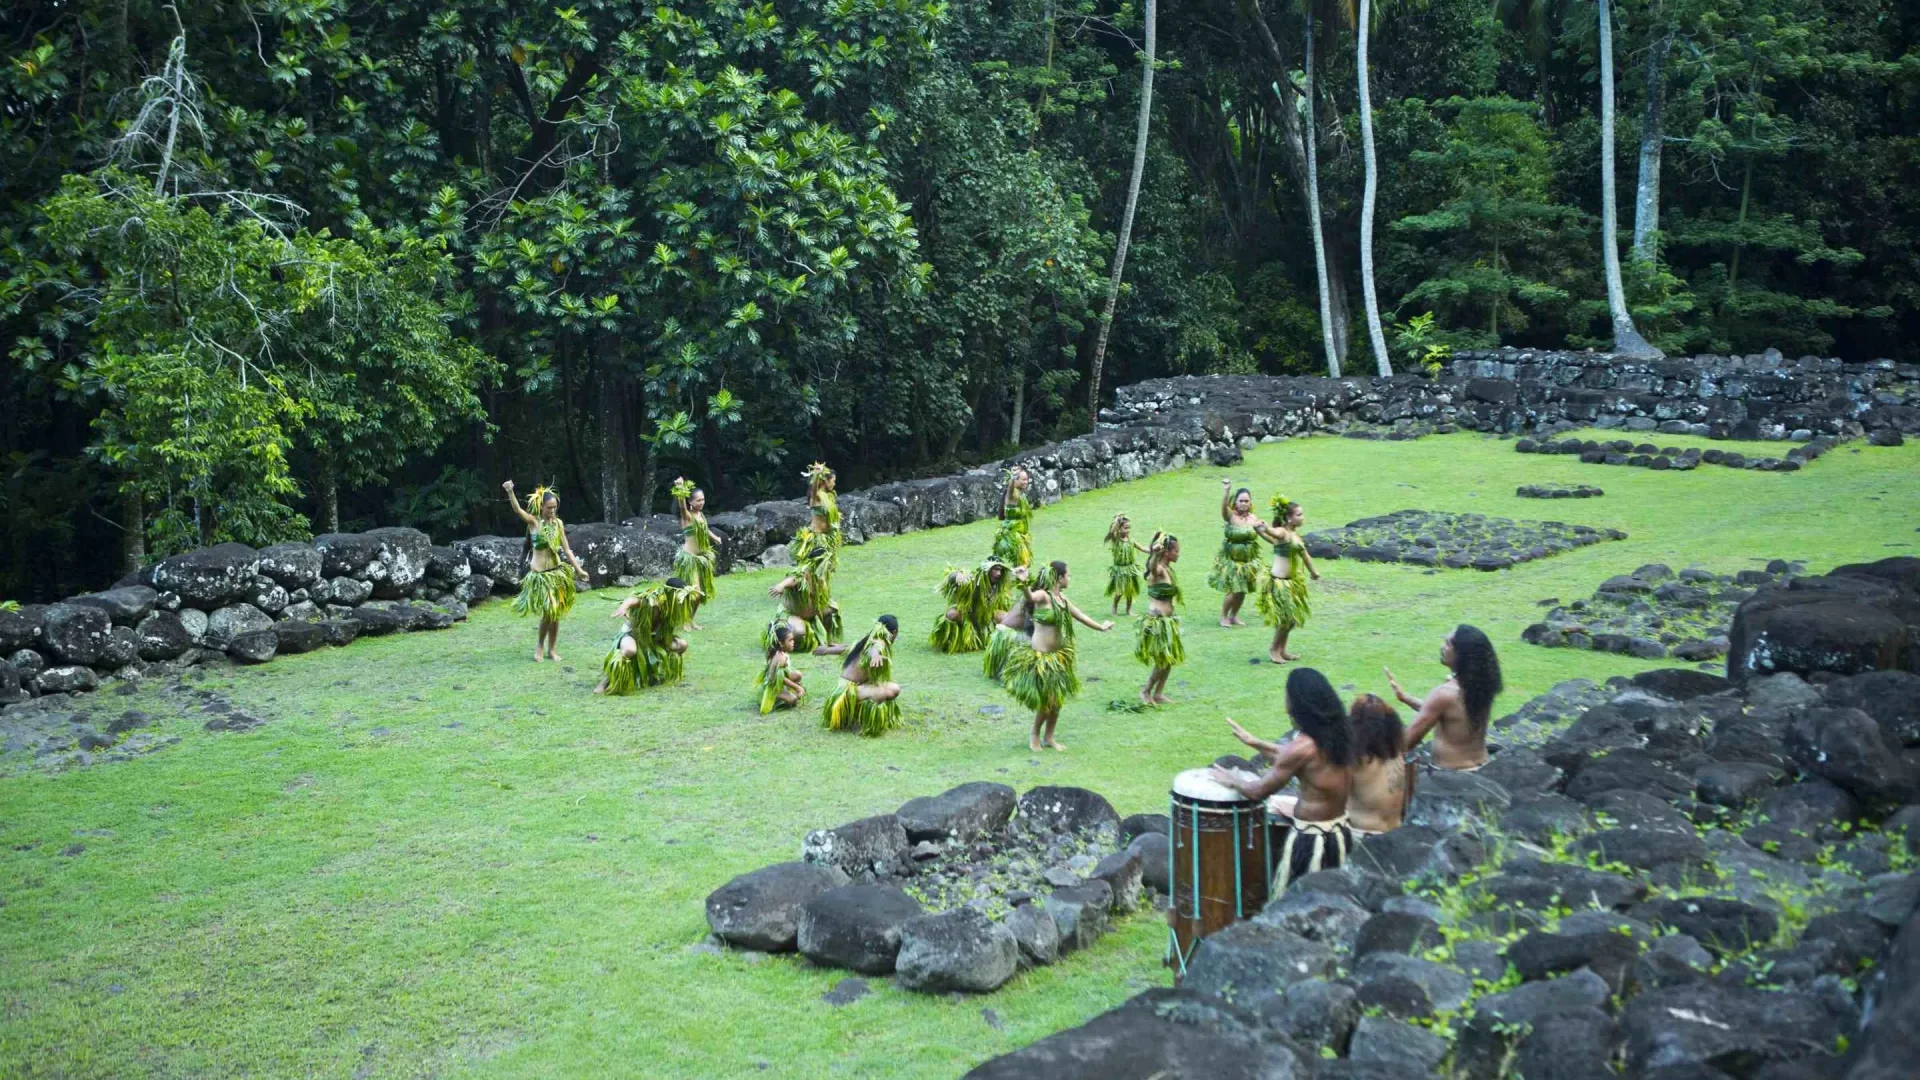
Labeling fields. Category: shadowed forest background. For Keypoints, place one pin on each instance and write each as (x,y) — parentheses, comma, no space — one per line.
(297,266)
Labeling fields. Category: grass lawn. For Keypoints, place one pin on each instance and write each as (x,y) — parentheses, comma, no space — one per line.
(441,859)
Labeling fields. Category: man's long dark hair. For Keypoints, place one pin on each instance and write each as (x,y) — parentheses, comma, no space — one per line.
(1377,731)
(1316,710)
(1477,670)
(859,649)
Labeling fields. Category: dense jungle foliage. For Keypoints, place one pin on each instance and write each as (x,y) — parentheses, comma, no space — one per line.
(289,266)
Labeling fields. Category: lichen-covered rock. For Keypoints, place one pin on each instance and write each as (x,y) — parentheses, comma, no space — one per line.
(76,633)
(1067,810)
(254,646)
(268,597)
(863,850)
(209,578)
(1034,930)
(495,557)
(346,554)
(295,636)
(960,950)
(1249,962)
(960,813)
(67,679)
(399,562)
(291,565)
(21,629)
(125,605)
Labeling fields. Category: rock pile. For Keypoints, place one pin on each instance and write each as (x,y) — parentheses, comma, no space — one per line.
(956,892)
(1654,613)
(1558,491)
(1455,541)
(1692,878)
(1860,617)
(1661,458)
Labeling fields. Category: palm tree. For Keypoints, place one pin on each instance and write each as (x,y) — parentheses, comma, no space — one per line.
(1368,196)
(1126,220)
(1312,139)
(1626,339)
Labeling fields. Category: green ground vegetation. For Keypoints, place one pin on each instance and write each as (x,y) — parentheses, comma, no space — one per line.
(438,858)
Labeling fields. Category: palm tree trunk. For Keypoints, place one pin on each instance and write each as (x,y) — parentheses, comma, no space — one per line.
(1626,339)
(1312,139)
(1126,219)
(1368,196)
(1646,198)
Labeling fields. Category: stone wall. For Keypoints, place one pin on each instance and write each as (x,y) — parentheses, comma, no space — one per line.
(249,605)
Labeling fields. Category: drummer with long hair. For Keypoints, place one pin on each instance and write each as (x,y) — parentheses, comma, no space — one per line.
(1312,834)
(1457,711)
(1378,798)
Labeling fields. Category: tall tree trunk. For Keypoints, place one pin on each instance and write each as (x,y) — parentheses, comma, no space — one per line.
(133,521)
(1739,233)
(649,476)
(1653,134)
(1368,196)
(1312,139)
(329,498)
(612,450)
(1305,179)
(1626,339)
(566,421)
(1019,405)
(1126,218)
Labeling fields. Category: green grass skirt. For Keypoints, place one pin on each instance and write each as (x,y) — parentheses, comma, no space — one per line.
(954,635)
(1000,645)
(770,694)
(1234,576)
(1123,583)
(821,630)
(1283,602)
(1156,643)
(546,593)
(1013,546)
(1041,680)
(646,667)
(695,570)
(845,711)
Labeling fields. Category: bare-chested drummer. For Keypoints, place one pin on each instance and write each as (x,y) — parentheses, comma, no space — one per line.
(1378,798)
(1456,711)
(1316,835)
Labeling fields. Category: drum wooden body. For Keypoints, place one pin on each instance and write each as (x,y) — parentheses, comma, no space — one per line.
(1218,851)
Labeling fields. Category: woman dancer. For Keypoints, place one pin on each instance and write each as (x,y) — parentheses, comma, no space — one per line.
(778,682)
(694,561)
(1157,643)
(1283,594)
(649,650)
(868,698)
(975,599)
(1041,675)
(823,508)
(1123,580)
(1379,795)
(548,590)
(806,608)
(1014,627)
(1457,710)
(1236,571)
(1013,544)
(1315,835)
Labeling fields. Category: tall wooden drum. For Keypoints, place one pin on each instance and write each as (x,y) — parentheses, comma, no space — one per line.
(1218,852)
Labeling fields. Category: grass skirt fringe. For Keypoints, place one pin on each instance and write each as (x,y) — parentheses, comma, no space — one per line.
(695,570)
(1041,680)
(845,711)
(546,593)
(1000,645)
(1157,642)
(1123,583)
(1283,602)
(954,635)
(1232,575)
(770,693)
(822,630)
(1013,545)
(646,667)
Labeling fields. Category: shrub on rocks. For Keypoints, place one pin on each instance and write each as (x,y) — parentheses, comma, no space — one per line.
(761,909)
(959,950)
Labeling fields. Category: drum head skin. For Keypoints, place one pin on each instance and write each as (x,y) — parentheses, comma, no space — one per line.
(1196,785)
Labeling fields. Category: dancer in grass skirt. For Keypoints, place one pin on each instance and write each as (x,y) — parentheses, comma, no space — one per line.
(1013,544)
(975,599)
(1157,642)
(822,531)
(1283,595)
(1123,579)
(806,606)
(1236,571)
(1041,675)
(1013,628)
(694,562)
(649,650)
(778,682)
(868,698)
(549,588)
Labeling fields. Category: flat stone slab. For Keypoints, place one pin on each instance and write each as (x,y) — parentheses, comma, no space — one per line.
(1453,541)
(1654,613)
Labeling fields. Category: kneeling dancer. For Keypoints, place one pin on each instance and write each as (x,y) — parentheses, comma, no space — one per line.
(1157,642)
(778,682)
(974,599)
(649,650)
(1041,675)
(1312,833)
(806,604)
(868,698)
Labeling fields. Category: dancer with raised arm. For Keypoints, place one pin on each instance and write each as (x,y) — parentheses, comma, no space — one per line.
(548,589)
(1041,674)
(1283,593)
(1457,711)
(1013,544)
(694,562)
(1123,578)
(1157,643)
(778,682)
(1236,571)
(868,700)
(1312,833)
